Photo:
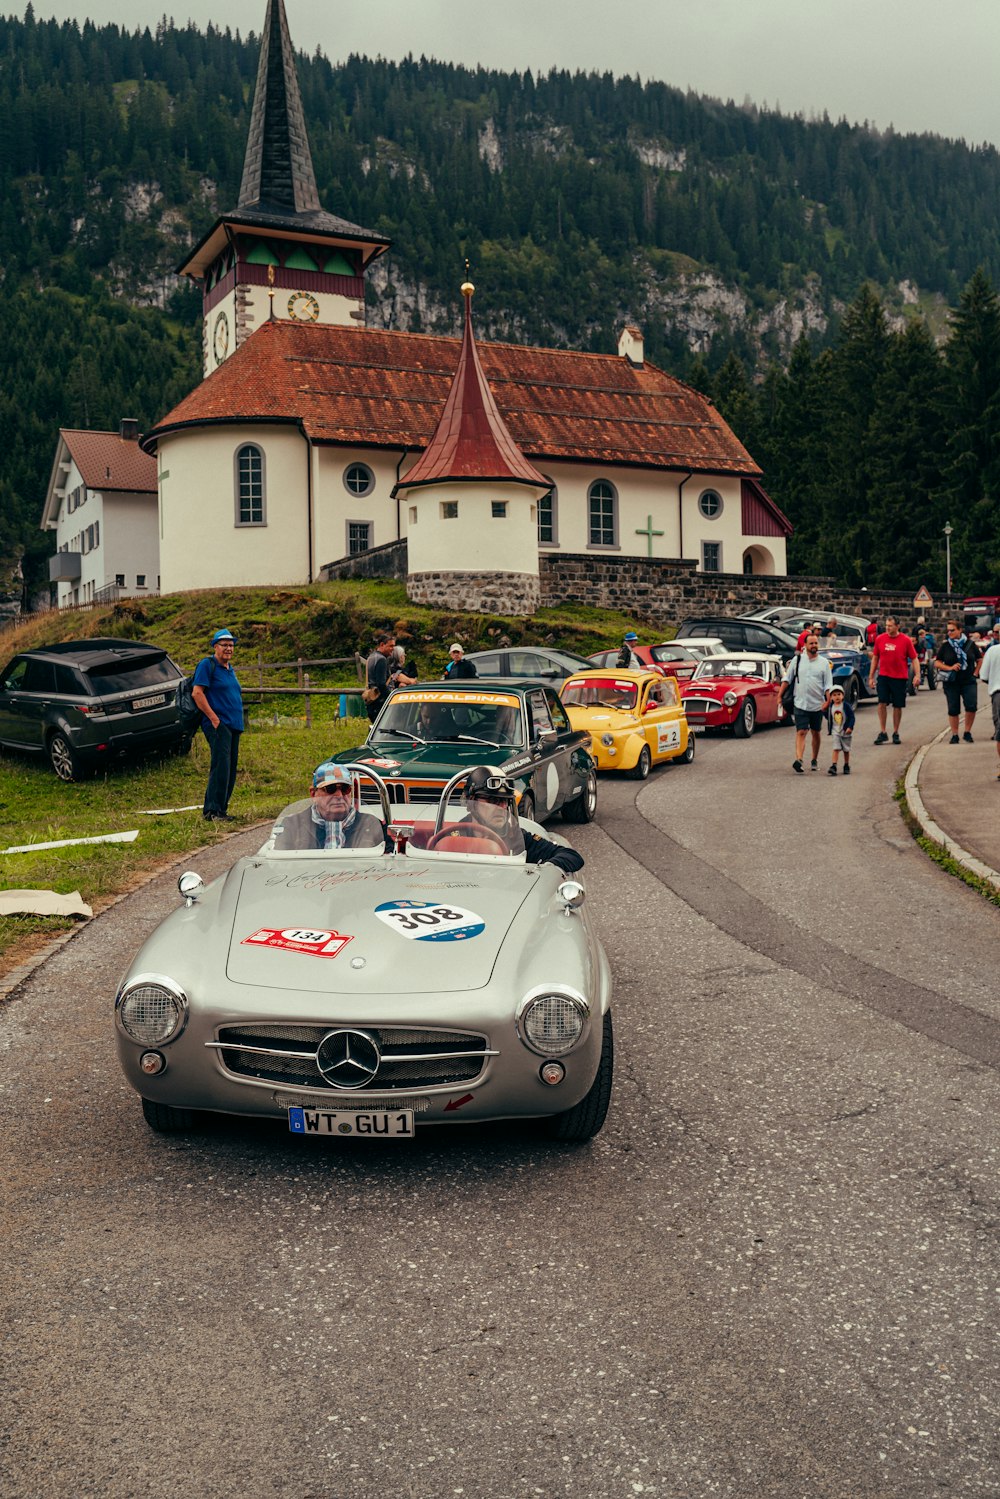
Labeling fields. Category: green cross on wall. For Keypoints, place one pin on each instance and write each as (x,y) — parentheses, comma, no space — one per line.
(649,533)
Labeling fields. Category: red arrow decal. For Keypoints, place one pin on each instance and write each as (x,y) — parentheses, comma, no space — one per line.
(456,1103)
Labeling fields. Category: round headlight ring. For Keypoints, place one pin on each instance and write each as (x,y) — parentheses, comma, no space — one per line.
(551,1021)
(607,740)
(730,699)
(151,1009)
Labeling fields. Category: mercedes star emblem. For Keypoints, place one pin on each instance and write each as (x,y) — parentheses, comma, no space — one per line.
(348,1059)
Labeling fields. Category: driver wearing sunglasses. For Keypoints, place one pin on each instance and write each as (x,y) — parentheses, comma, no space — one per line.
(333,817)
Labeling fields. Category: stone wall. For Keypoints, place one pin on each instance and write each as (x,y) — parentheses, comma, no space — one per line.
(386,561)
(482,593)
(662,591)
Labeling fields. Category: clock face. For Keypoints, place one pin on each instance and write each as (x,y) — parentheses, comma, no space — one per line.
(303,306)
(220,338)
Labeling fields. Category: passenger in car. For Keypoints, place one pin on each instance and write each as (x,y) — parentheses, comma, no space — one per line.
(492,803)
(333,819)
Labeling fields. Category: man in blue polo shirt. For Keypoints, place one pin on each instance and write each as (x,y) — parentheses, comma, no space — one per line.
(216,691)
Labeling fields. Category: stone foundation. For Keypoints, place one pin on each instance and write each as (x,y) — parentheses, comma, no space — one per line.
(660,592)
(480,593)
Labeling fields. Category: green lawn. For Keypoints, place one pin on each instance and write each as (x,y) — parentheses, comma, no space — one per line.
(275,765)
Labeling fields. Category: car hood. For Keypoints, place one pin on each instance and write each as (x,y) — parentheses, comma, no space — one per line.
(716,686)
(291,914)
(601,720)
(430,761)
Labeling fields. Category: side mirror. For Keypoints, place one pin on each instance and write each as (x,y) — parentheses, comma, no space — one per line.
(572,895)
(545,736)
(190,886)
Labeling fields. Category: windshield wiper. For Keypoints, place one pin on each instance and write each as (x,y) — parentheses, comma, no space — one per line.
(404,733)
(472,739)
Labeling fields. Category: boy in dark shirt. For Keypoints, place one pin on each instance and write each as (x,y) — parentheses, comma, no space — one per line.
(840,726)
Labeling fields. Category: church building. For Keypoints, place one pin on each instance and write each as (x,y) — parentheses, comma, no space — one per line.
(313,438)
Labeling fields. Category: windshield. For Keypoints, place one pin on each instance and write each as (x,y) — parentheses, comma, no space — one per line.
(491,718)
(601,692)
(672,653)
(731,666)
(477,832)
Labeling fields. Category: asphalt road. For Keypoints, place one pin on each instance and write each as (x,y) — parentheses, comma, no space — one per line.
(774,1273)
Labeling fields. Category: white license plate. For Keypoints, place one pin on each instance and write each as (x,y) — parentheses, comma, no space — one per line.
(379,1122)
(150,702)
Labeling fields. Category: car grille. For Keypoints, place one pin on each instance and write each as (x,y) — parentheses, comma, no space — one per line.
(700,705)
(411,1058)
(404,791)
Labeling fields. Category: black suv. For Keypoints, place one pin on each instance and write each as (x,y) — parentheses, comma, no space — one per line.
(85,701)
(740,634)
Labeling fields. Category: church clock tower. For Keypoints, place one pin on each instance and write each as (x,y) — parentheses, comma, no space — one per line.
(278,253)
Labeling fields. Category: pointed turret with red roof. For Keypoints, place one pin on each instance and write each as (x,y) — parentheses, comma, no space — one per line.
(472,532)
(471,440)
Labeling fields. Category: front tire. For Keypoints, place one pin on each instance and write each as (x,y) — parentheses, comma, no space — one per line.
(165,1119)
(583,807)
(688,754)
(746,719)
(584,1120)
(640,770)
(853,693)
(63,758)
(526,806)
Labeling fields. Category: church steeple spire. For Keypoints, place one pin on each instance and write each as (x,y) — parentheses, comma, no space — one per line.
(277,169)
(278,253)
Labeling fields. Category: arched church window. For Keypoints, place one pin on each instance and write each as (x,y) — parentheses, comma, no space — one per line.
(250,490)
(602,508)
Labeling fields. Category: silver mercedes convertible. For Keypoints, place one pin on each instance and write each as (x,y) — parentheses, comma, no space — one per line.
(432,977)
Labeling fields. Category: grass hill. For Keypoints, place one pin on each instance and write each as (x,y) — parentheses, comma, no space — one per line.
(315,622)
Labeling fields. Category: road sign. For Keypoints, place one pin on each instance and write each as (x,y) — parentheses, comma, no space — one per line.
(921,597)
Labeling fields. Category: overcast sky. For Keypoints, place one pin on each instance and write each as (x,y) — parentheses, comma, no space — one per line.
(919,65)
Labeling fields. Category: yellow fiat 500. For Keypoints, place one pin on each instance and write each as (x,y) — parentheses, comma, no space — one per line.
(634,719)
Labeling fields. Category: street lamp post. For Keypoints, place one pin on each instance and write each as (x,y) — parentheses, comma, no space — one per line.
(948,529)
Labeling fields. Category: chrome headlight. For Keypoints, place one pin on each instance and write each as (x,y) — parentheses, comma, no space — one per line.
(730,699)
(151,1010)
(607,740)
(552,1021)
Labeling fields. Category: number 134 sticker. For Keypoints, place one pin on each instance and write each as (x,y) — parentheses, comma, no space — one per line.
(423,921)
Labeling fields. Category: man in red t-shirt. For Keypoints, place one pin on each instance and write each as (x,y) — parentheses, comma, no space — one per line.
(891,656)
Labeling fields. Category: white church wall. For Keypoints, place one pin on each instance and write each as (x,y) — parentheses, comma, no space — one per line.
(340,502)
(201,544)
(456,528)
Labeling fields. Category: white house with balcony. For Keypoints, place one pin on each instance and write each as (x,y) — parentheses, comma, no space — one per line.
(102,504)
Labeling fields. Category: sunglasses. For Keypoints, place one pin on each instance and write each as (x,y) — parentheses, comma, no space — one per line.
(335,790)
(493,801)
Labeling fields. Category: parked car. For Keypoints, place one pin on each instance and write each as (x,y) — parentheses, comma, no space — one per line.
(742,635)
(528,661)
(735,692)
(776,615)
(85,702)
(456,984)
(850,627)
(424,734)
(634,718)
(670,659)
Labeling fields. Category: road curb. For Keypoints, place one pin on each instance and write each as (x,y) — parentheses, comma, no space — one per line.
(16,977)
(933,830)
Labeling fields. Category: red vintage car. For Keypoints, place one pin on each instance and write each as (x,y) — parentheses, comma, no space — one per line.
(735,692)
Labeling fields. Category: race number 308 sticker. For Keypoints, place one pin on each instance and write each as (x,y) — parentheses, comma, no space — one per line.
(319,944)
(425,921)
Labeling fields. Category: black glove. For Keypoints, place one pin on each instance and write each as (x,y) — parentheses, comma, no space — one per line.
(543,851)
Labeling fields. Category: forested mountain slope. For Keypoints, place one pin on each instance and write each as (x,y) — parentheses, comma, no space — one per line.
(580,200)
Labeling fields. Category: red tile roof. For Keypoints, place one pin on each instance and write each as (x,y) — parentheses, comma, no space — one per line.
(373,388)
(108,461)
(471,441)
